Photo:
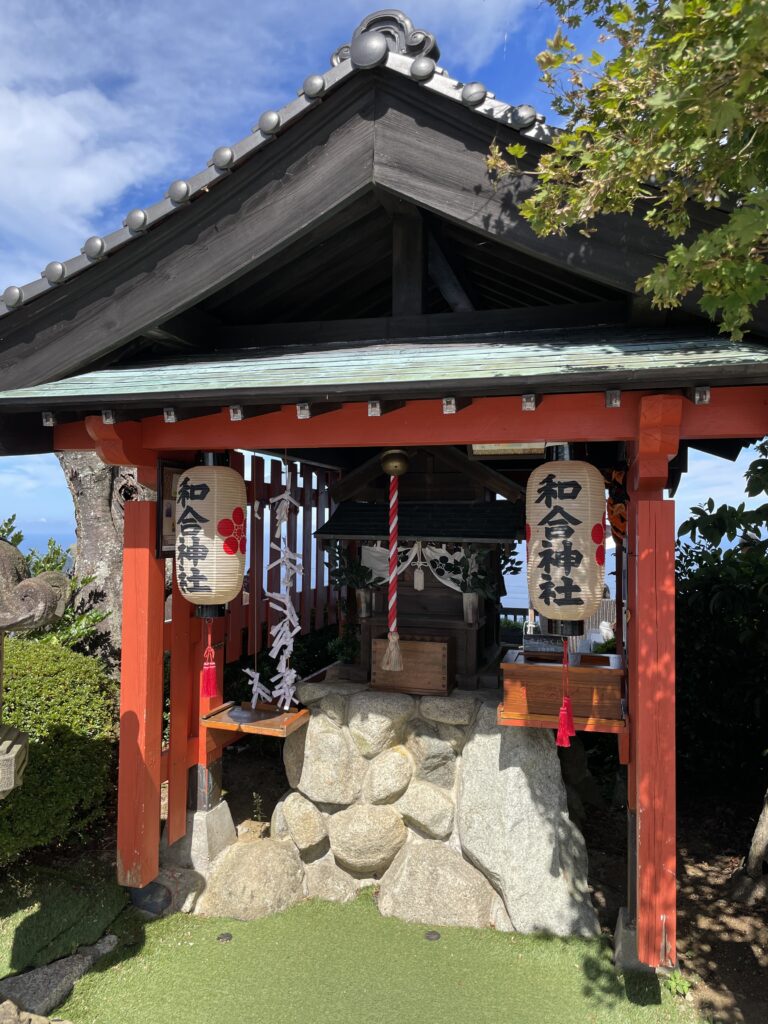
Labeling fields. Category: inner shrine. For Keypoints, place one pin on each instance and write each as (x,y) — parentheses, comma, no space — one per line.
(366,394)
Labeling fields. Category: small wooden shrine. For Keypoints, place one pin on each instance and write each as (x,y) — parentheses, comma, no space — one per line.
(346,280)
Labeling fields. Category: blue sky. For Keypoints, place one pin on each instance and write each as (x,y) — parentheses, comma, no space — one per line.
(103,104)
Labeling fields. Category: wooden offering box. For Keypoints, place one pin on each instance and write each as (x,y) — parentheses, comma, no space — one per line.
(533,693)
(427,666)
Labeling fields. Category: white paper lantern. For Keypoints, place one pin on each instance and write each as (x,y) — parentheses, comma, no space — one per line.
(565,531)
(210,534)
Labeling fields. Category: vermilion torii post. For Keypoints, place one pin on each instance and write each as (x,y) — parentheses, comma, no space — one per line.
(651,653)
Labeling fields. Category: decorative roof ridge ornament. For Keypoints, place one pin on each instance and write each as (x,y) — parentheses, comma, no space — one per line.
(384,31)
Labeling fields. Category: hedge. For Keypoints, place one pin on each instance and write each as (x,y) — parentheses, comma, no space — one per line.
(65,701)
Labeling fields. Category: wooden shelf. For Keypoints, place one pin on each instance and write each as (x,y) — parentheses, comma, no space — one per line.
(529,721)
(265,720)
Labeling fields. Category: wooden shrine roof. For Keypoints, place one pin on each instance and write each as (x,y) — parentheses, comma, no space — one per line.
(363,202)
(487,522)
(555,361)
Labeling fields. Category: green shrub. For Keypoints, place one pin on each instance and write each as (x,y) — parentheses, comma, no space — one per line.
(47,912)
(65,702)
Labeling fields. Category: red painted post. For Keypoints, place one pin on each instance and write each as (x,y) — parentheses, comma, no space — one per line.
(182,681)
(141,700)
(653,722)
(651,650)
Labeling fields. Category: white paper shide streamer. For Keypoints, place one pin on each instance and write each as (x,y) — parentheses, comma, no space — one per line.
(288,626)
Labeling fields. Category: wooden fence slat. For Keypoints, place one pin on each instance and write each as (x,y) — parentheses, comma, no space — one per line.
(292,524)
(322,515)
(273,575)
(235,609)
(141,700)
(307,588)
(256,576)
(333,608)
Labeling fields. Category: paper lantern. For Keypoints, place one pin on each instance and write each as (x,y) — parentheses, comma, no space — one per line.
(210,534)
(565,531)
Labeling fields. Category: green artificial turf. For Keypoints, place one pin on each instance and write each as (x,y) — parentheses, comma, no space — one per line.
(324,962)
(47,912)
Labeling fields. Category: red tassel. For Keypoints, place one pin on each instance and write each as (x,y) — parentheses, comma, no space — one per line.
(210,682)
(563,737)
(569,715)
(567,706)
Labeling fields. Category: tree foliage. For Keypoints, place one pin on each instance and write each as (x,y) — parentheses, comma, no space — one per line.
(722,640)
(674,110)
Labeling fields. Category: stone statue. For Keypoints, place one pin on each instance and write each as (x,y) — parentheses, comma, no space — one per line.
(25,603)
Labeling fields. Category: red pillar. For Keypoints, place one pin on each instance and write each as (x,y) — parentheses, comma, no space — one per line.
(653,722)
(141,700)
(651,651)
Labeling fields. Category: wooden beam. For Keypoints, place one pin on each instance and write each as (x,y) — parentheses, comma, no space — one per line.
(141,700)
(439,164)
(118,444)
(328,239)
(444,276)
(177,413)
(429,325)
(408,263)
(733,412)
(237,413)
(349,484)
(195,328)
(660,418)
(478,471)
(376,407)
(453,405)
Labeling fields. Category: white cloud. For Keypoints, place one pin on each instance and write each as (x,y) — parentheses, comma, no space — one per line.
(712,477)
(104,103)
(33,488)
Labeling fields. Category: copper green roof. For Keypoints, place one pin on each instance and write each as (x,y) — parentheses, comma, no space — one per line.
(543,360)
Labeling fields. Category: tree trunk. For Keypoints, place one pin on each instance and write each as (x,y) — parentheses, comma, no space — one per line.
(99,493)
(758,850)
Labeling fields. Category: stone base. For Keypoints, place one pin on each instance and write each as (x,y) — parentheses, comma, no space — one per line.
(153,900)
(208,834)
(460,820)
(625,946)
(42,989)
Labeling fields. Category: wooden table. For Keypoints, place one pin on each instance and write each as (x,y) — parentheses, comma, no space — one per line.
(264,720)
